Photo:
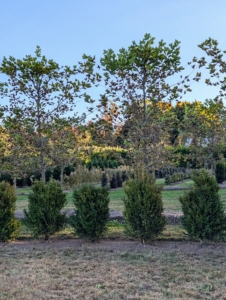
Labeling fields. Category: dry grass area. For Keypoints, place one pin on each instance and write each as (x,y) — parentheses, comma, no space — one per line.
(112,269)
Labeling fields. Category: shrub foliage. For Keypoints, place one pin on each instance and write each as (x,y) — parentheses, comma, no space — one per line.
(113,182)
(220,172)
(92,212)
(44,217)
(202,208)
(143,207)
(104,180)
(8,224)
(177,177)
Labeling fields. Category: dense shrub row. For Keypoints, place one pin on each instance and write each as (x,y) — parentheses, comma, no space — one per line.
(27,179)
(102,164)
(203,214)
(177,177)
(44,216)
(168,171)
(82,175)
(118,178)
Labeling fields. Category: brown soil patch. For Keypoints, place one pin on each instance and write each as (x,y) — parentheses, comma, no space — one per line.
(120,245)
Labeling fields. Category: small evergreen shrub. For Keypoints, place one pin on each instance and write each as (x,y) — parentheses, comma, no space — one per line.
(104,180)
(9,225)
(89,165)
(124,176)
(203,210)
(111,164)
(143,207)
(95,162)
(118,179)
(6,178)
(113,182)
(115,164)
(44,217)
(105,163)
(220,172)
(101,165)
(92,212)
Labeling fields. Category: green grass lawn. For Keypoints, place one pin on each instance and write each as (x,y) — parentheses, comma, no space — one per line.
(185,183)
(170,199)
(160,181)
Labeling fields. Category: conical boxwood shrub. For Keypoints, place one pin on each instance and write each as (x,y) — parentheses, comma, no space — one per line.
(44,217)
(91,212)
(203,212)
(143,207)
(9,226)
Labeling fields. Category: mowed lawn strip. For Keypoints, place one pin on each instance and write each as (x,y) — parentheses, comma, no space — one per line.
(170,199)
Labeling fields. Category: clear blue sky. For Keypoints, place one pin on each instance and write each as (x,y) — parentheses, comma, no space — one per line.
(67,29)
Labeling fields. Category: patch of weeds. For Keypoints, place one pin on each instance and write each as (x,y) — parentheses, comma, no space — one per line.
(100,286)
(115,229)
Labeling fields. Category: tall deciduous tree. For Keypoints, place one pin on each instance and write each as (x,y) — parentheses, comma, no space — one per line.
(64,145)
(39,92)
(138,75)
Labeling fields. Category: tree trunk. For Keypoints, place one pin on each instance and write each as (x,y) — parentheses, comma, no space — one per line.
(14,182)
(212,166)
(43,171)
(61,175)
(46,237)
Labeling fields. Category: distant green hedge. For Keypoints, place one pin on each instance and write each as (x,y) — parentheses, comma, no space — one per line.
(177,177)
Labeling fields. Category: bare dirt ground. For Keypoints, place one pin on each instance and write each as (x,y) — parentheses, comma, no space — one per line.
(119,245)
(185,247)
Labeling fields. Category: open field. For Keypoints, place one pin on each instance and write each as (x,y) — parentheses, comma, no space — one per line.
(170,198)
(75,269)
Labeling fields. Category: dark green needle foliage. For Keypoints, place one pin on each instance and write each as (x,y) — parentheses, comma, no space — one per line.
(92,212)
(119,179)
(104,180)
(143,207)
(203,210)
(220,172)
(113,182)
(8,224)
(44,217)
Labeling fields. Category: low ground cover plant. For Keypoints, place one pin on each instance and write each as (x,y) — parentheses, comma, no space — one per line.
(91,212)
(143,207)
(203,209)
(45,202)
(9,226)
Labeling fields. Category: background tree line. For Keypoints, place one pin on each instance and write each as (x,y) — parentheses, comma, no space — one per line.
(41,130)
